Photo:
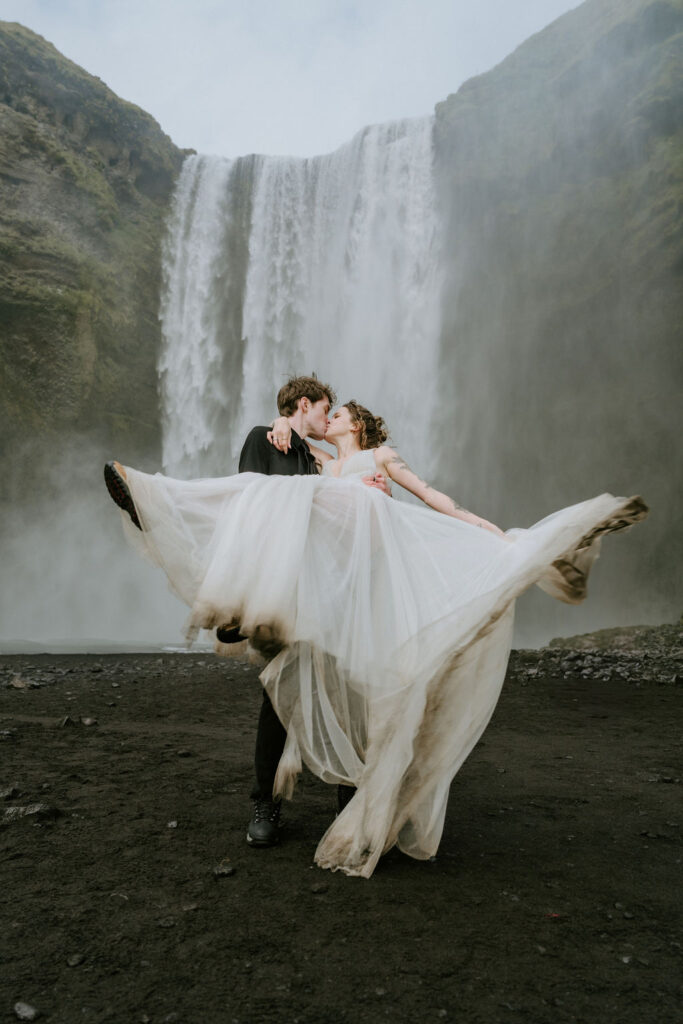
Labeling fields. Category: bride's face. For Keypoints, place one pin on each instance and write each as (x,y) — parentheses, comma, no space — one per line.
(341,424)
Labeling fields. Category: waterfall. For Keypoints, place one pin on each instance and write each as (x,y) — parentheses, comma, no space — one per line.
(279,265)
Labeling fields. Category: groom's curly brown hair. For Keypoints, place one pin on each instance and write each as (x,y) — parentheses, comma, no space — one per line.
(302,387)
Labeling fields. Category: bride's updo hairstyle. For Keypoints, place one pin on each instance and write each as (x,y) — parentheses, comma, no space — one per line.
(373,431)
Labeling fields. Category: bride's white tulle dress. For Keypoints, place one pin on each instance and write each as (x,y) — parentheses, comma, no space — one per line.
(396,622)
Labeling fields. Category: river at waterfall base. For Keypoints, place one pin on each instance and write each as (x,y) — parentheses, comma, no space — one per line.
(537,907)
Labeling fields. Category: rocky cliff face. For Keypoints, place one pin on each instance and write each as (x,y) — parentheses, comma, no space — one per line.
(85,180)
(560,189)
(560,176)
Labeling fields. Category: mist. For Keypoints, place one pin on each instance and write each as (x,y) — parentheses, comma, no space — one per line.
(543,366)
(561,344)
(69,581)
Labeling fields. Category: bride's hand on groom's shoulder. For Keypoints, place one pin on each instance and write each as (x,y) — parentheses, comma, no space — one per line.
(379,481)
(280,434)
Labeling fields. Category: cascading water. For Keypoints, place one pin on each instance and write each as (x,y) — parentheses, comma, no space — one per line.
(189,360)
(277,265)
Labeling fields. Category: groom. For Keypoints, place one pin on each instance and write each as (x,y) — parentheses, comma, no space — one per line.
(306,402)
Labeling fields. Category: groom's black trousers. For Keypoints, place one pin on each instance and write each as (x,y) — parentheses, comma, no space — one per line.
(270,742)
(259,456)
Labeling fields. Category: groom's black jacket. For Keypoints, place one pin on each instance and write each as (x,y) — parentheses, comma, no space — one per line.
(259,456)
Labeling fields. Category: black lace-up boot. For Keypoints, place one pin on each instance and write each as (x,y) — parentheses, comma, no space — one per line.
(264,824)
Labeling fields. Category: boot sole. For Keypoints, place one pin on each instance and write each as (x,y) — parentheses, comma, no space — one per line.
(119,492)
(260,842)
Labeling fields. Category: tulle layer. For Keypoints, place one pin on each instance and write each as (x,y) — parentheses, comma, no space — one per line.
(395,623)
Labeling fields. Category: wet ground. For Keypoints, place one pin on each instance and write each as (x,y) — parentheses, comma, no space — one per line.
(555,896)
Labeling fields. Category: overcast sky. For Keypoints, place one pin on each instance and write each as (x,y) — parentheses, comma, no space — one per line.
(295,77)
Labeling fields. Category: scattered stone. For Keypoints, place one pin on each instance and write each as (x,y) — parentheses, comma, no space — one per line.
(166,922)
(171,824)
(19,683)
(379,991)
(10,793)
(184,753)
(25,1011)
(225,869)
(640,655)
(189,907)
(66,721)
(7,734)
(88,721)
(319,887)
(75,959)
(41,812)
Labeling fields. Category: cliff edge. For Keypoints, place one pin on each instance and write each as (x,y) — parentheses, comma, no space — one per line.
(85,180)
(560,180)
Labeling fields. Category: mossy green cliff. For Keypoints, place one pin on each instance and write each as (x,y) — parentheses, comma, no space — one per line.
(85,181)
(560,193)
(560,177)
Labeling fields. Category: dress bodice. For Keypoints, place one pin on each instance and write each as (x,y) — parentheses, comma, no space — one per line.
(358,464)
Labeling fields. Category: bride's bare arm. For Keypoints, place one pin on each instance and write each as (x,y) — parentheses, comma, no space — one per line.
(280,434)
(319,454)
(398,470)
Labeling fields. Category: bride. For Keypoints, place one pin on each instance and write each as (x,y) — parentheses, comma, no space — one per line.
(394,621)
(354,430)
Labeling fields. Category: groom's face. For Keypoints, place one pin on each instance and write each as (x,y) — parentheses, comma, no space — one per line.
(317,418)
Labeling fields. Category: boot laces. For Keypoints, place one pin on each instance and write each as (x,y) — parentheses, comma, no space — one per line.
(266,810)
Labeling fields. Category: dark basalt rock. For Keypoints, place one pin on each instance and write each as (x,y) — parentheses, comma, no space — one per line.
(633,655)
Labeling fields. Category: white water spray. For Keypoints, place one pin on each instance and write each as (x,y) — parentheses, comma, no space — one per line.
(338,274)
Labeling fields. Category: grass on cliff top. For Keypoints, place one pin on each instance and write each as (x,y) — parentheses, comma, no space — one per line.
(37,54)
(36,78)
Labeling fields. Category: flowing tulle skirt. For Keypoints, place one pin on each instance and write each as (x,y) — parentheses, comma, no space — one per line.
(395,624)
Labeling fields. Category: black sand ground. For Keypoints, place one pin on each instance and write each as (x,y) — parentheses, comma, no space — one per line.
(554,898)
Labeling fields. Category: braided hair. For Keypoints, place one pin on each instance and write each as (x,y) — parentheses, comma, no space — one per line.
(373,431)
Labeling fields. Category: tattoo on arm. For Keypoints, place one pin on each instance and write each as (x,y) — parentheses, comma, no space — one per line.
(459,508)
(398,462)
